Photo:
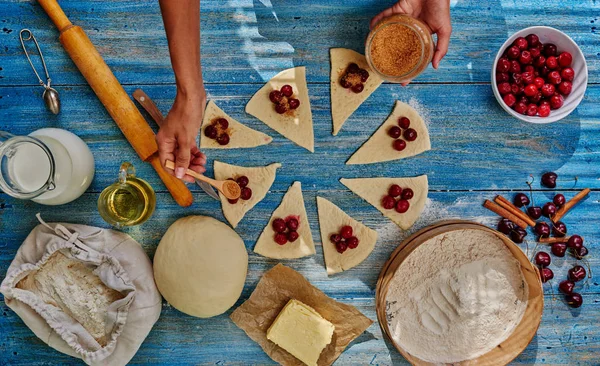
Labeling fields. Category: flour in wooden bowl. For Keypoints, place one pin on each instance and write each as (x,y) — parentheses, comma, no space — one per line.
(456,297)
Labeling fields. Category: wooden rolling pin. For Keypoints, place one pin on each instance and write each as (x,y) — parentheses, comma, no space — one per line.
(113,97)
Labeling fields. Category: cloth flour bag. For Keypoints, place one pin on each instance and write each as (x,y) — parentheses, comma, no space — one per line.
(85,291)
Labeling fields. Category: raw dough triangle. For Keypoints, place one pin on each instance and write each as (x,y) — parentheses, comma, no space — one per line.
(261,179)
(240,135)
(331,220)
(344,101)
(372,190)
(379,147)
(296,125)
(291,204)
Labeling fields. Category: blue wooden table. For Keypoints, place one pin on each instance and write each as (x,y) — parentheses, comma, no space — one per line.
(477,151)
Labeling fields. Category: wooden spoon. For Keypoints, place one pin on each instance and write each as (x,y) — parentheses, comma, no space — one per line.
(229,188)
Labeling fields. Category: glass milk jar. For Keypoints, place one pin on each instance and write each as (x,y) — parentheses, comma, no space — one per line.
(51,166)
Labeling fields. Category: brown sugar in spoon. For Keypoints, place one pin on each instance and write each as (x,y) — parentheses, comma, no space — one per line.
(229,188)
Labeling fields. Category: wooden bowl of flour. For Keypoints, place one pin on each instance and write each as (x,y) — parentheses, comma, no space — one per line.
(519,337)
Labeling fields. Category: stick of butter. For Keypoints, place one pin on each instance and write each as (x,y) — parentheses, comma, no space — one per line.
(301,331)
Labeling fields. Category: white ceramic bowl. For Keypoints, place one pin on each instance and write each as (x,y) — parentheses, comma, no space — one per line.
(563,43)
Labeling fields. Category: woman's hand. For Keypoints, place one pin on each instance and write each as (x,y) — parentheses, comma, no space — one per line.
(177,136)
(434,13)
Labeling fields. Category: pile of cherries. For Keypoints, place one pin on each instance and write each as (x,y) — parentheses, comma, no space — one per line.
(397,198)
(354,78)
(344,240)
(534,78)
(217,130)
(283,99)
(246,193)
(286,230)
(409,134)
(543,230)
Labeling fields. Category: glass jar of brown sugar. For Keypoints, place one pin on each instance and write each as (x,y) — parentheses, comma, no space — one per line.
(399,48)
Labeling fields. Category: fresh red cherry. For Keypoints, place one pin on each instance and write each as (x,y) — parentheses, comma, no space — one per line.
(275,96)
(533,40)
(565,87)
(532,109)
(388,202)
(292,224)
(518,235)
(531,90)
(525,58)
(504,88)
(515,67)
(246,193)
(559,229)
(554,77)
(544,71)
(546,274)
(521,108)
(505,226)
(535,99)
(559,249)
(501,77)
(556,101)
(223,139)
(544,110)
(509,99)
(549,49)
(395,190)
(575,242)
(580,252)
(559,199)
(542,259)
(279,225)
(211,132)
(566,287)
(567,74)
(534,212)
(402,206)
(535,52)
(513,52)
(404,122)
(292,236)
(503,65)
(399,145)
(542,229)
(547,90)
(294,103)
(281,108)
(539,82)
(521,43)
(552,62)
(516,79)
(335,238)
(346,231)
(548,209)
(407,194)
(565,59)
(528,77)
(281,238)
(539,62)
(242,181)
(410,134)
(287,90)
(341,247)
(577,273)
(574,300)
(357,88)
(394,132)
(352,242)
(549,180)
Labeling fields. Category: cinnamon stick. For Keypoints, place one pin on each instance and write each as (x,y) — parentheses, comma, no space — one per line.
(504,213)
(553,240)
(570,203)
(514,210)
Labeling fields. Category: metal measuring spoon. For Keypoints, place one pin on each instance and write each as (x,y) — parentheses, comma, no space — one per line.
(50,96)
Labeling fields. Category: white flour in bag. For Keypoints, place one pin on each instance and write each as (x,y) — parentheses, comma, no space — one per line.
(456,297)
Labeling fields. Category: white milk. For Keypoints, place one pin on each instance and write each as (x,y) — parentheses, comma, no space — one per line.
(29,168)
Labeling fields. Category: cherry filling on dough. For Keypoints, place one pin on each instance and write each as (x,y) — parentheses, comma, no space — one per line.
(246,193)
(283,99)
(397,198)
(354,78)
(218,130)
(402,134)
(286,230)
(344,240)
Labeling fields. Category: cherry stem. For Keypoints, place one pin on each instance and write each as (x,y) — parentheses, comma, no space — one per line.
(531,189)
(534,249)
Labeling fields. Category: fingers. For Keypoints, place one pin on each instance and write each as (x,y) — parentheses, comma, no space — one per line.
(166,149)
(386,13)
(183,158)
(441,48)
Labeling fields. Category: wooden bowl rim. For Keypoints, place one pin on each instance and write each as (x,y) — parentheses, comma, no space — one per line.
(525,329)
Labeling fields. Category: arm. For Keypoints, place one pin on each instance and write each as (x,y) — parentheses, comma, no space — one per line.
(177,137)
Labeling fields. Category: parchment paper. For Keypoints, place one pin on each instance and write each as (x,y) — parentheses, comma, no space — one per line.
(274,290)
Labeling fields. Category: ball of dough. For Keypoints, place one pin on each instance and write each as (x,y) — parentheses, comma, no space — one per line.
(200,266)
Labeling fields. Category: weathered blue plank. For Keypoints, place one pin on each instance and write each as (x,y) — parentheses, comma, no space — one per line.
(564,336)
(244,41)
(475,144)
